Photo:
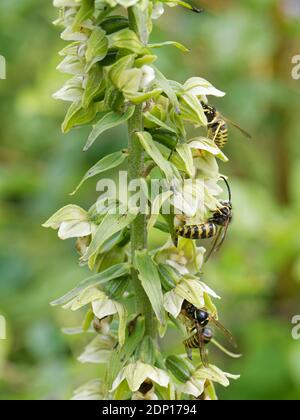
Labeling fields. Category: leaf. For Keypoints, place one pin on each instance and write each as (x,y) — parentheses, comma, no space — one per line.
(172,43)
(108,121)
(86,10)
(152,150)
(203,143)
(140,97)
(167,88)
(120,66)
(127,39)
(121,355)
(150,279)
(141,20)
(122,312)
(88,295)
(158,202)
(95,84)
(77,115)
(105,276)
(111,224)
(105,164)
(192,110)
(186,157)
(97,47)
(158,122)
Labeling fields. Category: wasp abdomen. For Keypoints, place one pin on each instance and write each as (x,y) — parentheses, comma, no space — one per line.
(202,231)
(192,342)
(218,132)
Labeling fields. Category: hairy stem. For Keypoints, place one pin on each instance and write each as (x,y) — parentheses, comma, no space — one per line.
(136,169)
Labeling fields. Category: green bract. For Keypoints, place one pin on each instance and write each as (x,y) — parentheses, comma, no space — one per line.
(133,291)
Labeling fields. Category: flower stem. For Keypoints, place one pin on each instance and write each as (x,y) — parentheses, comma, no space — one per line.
(136,168)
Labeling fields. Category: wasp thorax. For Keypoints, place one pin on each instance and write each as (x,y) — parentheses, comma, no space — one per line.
(202,317)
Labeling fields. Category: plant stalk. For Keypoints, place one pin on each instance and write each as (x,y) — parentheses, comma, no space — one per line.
(136,168)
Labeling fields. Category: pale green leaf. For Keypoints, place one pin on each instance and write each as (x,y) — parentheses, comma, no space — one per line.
(108,121)
(150,279)
(122,313)
(111,224)
(77,115)
(186,157)
(172,43)
(149,116)
(127,39)
(85,12)
(94,85)
(192,110)
(163,83)
(105,164)
(97,47)
(116,271)
(158,202)
(140,97)
(148,144)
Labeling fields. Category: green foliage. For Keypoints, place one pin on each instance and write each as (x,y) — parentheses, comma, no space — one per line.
(256,271)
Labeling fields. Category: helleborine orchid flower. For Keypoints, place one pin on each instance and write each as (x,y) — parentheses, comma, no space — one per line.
(72,222)
(93,390)
(149,396)
(98,350)
(193,290)
(186,258)
(198,86)
(196,384)
(102,307)
(137,373)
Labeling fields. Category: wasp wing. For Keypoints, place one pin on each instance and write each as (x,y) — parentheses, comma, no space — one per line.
(215,245)
(224,229)
(202,349)
(224,330)
(244,132)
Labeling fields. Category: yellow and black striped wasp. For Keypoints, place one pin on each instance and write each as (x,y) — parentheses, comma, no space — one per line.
(203,335)
(215,226)
(218,127)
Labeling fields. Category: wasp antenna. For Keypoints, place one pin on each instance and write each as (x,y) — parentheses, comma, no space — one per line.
(228,188)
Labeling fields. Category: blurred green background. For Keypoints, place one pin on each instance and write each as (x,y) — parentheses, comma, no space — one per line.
(245,49)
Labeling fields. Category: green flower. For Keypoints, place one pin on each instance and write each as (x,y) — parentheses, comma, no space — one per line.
(72,222)
(187,258)
(193,290)
(93,390)
(137,373)
(195,386)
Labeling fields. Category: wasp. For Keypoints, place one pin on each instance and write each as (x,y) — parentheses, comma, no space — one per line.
(218,127)
(213,228)
(203,335)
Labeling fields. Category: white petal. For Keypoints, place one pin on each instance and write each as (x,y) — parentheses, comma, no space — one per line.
(209,291)
(103,308)
(148,75)
(74,229)
(173,303)
(158,10)
(193,387)
(198,86)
